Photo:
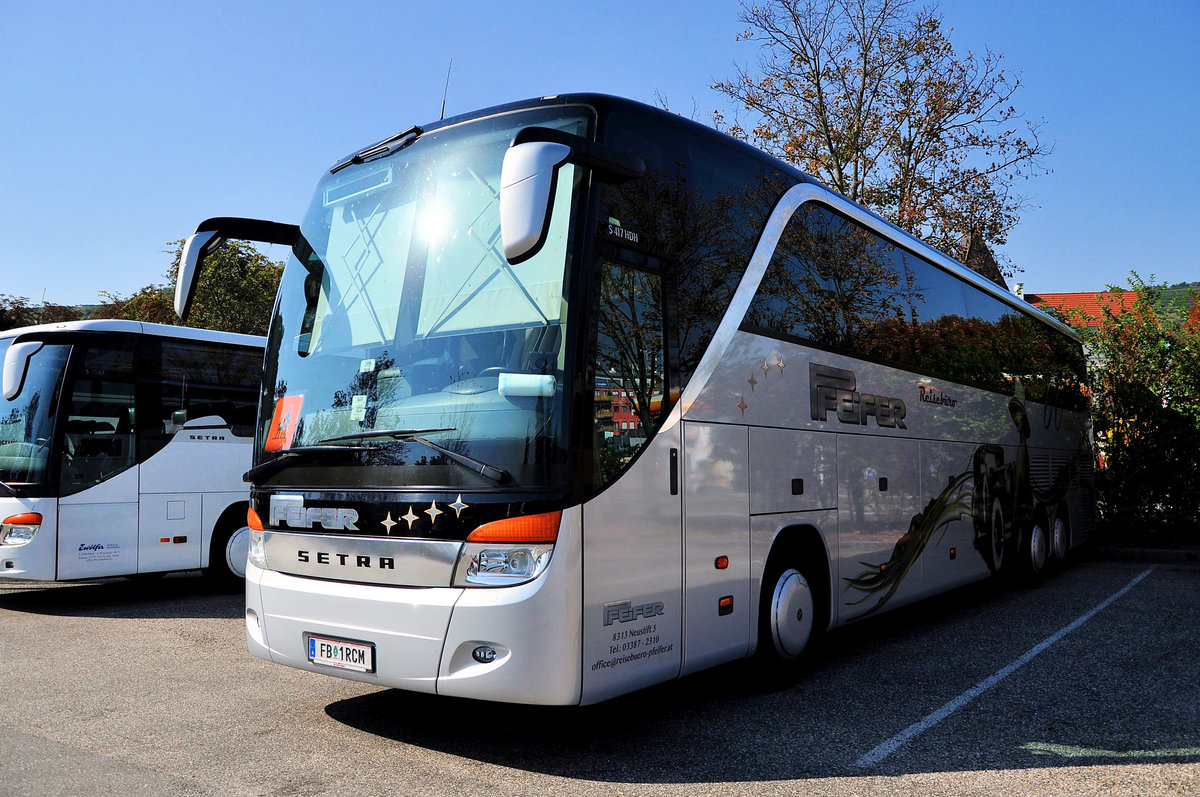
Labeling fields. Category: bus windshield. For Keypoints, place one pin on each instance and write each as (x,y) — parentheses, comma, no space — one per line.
(27,420)
(404,335)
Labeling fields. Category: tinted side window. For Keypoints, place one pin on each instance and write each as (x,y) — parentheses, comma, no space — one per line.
(943,342)
(210,379)
(187,380)
(699,209)
(835,283)
(99,435)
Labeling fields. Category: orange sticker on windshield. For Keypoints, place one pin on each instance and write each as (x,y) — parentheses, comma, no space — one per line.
(284,423)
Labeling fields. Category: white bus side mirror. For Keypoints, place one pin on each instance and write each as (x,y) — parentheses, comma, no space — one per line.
(527,179)
(16,366)
(199,245)
(210,236)
(529,174)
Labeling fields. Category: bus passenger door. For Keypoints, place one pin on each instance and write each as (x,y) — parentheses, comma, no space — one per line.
(632,530)
(716,544)
(98,510)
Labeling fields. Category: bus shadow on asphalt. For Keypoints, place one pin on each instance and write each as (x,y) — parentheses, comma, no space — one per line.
(738,723)
(165,597)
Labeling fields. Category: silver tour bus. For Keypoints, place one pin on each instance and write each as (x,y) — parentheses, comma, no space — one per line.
(122,447)
(572,396)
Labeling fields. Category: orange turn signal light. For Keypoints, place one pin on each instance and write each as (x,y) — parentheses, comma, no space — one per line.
(527,528)
(23,519)
(253,520)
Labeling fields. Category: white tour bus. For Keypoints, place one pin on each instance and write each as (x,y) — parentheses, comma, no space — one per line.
(572,396)
(122,449)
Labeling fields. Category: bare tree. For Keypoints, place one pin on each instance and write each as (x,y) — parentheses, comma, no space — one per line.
(870,97)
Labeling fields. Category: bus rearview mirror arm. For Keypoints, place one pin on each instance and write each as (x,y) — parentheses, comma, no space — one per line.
(529,175)
(210,236)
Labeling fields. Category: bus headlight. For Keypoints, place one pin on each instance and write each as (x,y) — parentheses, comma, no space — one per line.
(484,565)
(20,529)
(257,554)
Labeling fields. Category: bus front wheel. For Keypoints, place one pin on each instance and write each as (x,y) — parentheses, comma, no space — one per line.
(227,555)
(787,615)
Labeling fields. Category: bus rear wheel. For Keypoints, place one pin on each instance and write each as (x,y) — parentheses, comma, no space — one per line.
(1060,539)
(1034,546)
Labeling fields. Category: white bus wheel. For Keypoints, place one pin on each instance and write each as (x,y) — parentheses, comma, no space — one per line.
(789,616)
(1059,539)
(227,555)
(1034,548)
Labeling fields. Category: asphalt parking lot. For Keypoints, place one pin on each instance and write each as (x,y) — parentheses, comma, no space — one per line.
(1086,684)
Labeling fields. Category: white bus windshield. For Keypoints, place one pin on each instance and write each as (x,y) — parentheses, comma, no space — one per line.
(27,420)
(400,312)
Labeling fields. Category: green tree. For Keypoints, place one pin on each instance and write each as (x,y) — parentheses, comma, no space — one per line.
(17,311)
(235,294)
(1145,383)
(870,97)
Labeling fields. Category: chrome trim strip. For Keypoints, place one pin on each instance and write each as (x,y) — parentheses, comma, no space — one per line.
(391,561)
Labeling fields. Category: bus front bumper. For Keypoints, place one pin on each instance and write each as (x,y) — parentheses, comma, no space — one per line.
(426,639)
(34,559)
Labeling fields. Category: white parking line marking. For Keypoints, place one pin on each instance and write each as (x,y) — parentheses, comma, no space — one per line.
(917,728)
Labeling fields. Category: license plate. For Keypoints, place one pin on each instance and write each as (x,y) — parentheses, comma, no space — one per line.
(341,653)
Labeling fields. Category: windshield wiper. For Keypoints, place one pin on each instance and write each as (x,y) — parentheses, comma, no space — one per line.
(497,475)
(396,434)
(293,456)
(10,489)
(400,139)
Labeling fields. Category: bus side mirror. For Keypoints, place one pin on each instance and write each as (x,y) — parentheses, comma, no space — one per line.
(529,174)
(16,365)
(199,246)
(210,236)
(527,179)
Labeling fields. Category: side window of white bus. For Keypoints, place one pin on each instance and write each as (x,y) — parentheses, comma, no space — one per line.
(209,380)
(99,437)
(630,364)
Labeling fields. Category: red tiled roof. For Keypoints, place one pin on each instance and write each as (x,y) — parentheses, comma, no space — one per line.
(1091,304)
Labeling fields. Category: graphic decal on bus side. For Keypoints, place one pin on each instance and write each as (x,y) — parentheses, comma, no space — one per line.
(633,644)
(996,495)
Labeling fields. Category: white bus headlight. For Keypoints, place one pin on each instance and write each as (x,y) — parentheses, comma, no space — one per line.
(507,552)
(20,529)
(257,554)
(487,565)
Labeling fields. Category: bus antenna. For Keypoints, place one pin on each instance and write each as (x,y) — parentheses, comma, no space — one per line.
(447,88)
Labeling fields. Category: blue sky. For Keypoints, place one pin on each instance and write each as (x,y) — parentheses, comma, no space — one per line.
(124,124)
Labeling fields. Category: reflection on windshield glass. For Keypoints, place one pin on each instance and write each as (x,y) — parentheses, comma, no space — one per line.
(27,421)
(406,315)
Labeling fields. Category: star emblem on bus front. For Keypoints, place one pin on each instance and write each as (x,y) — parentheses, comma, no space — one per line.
(458,506)
(409,518)
(387,522)
(433,511)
